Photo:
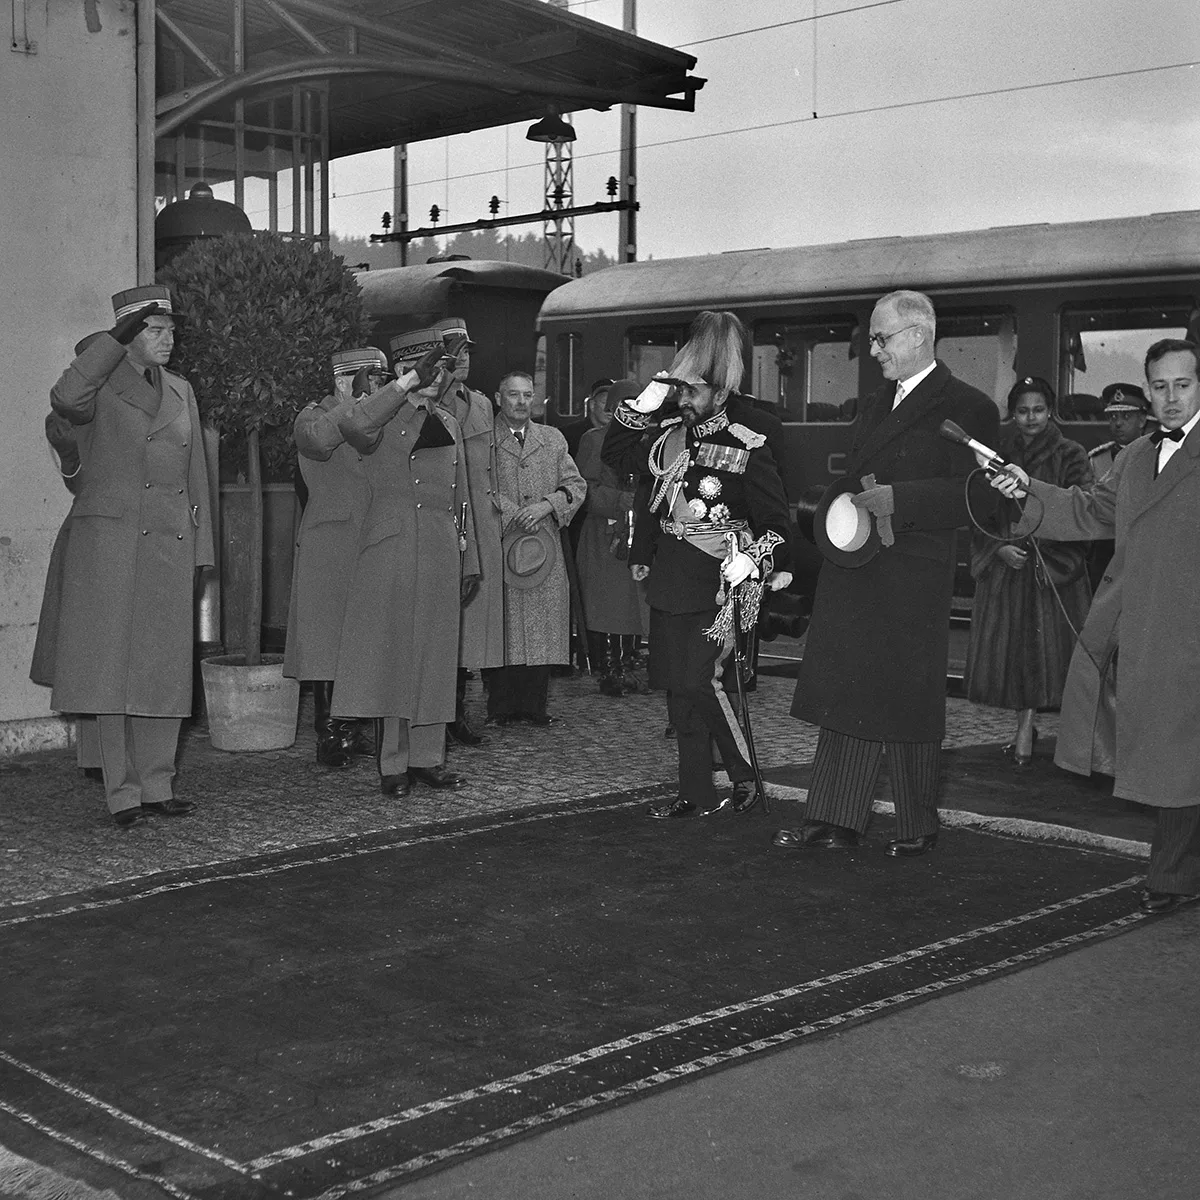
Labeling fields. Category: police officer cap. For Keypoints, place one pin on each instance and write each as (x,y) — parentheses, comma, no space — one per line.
(408,347)
(349,362)
(1124,397)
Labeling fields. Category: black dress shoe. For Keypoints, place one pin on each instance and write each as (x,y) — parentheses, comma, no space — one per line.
(463,734)
(911,847)
(1161,902)
(541,718)
(745,795)
(435,777)
(170,808)
(332,750)
(395,785)
(678,809)
(95,774)
(129,817)
(819,834)
(669,732)
(499,719)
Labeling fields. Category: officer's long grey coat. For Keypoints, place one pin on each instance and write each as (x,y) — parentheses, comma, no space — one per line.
(1148,604)
(481,641)
(537,620)
(399,646)
(140,525)
(327,541)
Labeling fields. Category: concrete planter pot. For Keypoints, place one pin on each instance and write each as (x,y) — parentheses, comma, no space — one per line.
(250,708)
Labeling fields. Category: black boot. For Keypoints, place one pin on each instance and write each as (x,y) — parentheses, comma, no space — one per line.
(460,729)
(331,750)
(604,667)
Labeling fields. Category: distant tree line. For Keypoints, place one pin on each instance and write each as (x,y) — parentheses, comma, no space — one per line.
(527,249)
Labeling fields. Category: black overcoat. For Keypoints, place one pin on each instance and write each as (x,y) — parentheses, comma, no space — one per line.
(875,658)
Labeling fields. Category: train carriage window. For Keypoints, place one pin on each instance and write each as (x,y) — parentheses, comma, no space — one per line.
(981,349)
(808,368)
(569,394)
(1107,343)
(650,350)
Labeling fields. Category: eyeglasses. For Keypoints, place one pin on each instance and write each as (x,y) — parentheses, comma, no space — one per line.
(880,340)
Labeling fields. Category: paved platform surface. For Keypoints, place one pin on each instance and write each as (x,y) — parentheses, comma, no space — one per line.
(1092,1075)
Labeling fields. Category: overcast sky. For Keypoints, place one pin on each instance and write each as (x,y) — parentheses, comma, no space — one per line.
(879,159)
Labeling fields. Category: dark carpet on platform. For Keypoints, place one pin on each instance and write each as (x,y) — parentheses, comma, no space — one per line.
(319,1021)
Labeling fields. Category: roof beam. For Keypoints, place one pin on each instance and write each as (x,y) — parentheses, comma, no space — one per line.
(188,44)
(286,19)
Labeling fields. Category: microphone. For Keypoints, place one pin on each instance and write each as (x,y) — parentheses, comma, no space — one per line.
(953,432)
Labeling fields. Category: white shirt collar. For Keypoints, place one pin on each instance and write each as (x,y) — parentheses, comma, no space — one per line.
(906,385)
(1166,448)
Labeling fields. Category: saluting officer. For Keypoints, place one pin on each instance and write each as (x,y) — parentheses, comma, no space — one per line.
(139,528)
(481,642)
(416,560)
(713,478)
(327,541)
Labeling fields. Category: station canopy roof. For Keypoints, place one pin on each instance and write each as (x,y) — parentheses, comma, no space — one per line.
(408,70)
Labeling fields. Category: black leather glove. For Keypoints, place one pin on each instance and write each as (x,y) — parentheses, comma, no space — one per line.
(362,382)
(429,366)
(468,588)
(131,324)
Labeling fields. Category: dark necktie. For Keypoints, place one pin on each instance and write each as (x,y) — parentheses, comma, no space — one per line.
(1166,435)
(149,373)
(519,434)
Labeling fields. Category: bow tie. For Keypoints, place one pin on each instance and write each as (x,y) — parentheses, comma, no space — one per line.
(1166,435)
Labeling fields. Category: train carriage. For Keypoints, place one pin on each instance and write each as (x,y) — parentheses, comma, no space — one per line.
(1077,304)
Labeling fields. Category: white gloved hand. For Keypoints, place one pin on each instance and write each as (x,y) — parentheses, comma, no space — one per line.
(778,580)
(738,567)
(651,397)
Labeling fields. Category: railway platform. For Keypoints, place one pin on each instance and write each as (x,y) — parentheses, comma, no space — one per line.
(209,1006)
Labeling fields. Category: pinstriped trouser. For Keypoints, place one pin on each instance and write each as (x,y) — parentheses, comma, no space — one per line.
(846,770)
(1175,851)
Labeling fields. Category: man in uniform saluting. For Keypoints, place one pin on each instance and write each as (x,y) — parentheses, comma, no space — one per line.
(481,641)
(714,480)
(327,541)
(416,561)
(140,526)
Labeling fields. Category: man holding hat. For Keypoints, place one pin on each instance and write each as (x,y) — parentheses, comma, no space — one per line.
(540,491)
(481,641)
(416,562)
(874,671)
(140,527)
(327,541)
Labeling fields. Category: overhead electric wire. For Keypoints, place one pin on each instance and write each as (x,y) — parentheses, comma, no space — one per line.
(784,24)
(852,112)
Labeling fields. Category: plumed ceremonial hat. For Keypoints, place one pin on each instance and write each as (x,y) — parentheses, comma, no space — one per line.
(1124,397)
(143,297)
(529,556)
(408,347)
(845,534)
(347,362)
(449,326)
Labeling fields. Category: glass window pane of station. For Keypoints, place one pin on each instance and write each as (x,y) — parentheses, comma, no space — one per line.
(1107,343)
(808,368)
(650,350)
(980,348)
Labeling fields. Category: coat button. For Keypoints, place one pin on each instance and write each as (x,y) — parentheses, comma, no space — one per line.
(147,485)
(418,504)
(149,438)
(181,491)
(179,536)
(145,532)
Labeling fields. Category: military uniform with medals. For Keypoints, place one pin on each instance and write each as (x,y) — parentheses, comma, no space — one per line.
(711,482)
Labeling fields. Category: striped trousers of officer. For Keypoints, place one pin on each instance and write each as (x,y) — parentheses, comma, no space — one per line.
(846,770)
(1175,851)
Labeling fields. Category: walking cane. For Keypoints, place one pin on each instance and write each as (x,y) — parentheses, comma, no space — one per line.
(739,668)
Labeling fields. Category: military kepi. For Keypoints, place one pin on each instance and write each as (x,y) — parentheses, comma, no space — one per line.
(408,347)
(449,326)
(143,297)
(350,362)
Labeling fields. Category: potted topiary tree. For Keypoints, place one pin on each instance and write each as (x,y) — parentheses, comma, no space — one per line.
(263,314)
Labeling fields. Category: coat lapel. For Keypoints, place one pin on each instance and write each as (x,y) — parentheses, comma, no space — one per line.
(172,404)
(1144,490)
(130,384)
(894,421)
